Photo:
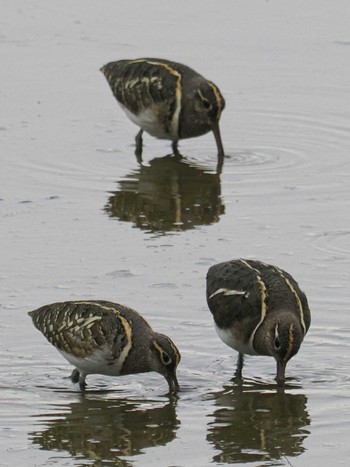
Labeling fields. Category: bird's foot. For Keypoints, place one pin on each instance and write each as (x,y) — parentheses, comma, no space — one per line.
(237,378)
(75,376)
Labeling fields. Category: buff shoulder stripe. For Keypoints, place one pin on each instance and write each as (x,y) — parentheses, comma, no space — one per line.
(178,92)
(128,333)
(124,322)
(300,306)
(217,95)
(263,297)
(290,341)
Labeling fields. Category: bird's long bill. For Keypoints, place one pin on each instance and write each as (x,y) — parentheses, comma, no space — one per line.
(281,369)
(173,383)
(217,136)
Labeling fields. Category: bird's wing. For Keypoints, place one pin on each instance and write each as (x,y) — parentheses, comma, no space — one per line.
(141,84)
(80,328)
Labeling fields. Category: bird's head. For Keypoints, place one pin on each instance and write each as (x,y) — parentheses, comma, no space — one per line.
(281,339)
(208,100)
(167,358)
(202,111)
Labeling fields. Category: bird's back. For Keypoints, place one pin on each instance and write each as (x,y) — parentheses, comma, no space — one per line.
(80,328)
(141,84)
(248,288)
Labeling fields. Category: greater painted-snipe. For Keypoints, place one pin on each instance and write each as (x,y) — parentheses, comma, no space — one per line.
(101,337)
(258,309)
(166,99)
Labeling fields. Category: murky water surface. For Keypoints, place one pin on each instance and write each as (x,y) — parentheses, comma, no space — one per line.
(81,219)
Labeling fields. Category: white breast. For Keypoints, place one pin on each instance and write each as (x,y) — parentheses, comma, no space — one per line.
(148,120)
(96,363)
(231,338)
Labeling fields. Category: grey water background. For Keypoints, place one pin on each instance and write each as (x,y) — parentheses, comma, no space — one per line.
(81,219)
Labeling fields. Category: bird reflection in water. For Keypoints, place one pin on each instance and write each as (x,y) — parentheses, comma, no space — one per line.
(167,195)
(258,423)
(107,430)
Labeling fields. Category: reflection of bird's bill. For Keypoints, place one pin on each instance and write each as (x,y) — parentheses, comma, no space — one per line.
(217,136)
(173,383)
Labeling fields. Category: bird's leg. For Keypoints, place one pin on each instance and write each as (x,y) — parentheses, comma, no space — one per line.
(138,150)
(75,376)
(82,382)
(175,149)
(239,368)
(220,164)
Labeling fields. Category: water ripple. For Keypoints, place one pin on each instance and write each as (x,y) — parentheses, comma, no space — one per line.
(293,140)
(337,242)
(274,158)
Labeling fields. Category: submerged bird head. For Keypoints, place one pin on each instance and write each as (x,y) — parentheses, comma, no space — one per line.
(167,357)
(201,111)
(280,337)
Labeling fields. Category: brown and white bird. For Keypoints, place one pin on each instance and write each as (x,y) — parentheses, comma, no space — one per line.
(101,337)
(258,309)
(166,99)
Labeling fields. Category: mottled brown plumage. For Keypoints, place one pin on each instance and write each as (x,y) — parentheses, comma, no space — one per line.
(166,99)
(101,337)
(258,309)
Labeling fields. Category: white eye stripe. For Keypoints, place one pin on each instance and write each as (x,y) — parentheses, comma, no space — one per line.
(204,99)
(166,360)
(164,356)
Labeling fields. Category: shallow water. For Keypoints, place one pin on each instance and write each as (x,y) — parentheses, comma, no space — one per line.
(81,219)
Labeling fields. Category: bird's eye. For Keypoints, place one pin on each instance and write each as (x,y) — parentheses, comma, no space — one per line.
(206,104)
(277,343)
(166,360)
